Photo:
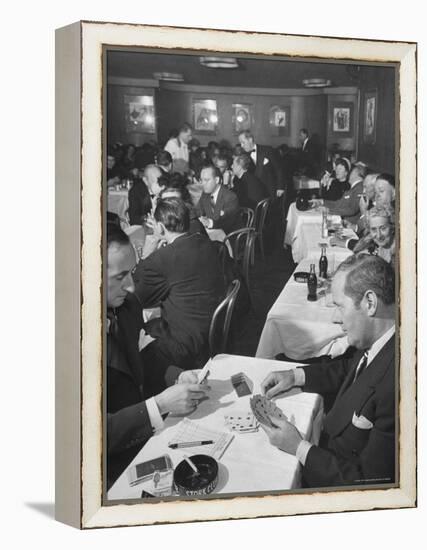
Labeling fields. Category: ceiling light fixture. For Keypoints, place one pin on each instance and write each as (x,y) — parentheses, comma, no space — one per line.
(171,77)
(219,62)
(316,83)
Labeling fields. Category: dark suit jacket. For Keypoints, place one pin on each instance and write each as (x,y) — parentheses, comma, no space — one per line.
(130,381)
(185,278)
(268,169)
(225,215)
(348,454)
(348,205)
(139,202)
(249,190)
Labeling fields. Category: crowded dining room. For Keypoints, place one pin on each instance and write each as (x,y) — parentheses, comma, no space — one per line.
(250,251)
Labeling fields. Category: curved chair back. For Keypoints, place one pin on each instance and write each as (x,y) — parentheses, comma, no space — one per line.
(222,318)
(247,216)
(260,214)
(242,243)
(261,211)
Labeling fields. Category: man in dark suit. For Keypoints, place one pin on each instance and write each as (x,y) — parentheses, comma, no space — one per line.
(266,164)
(185,279)
(218,207)
(309,161)
(357,444)
(144,194)
(249,189)
(267,167)
(348,206)
(133,409)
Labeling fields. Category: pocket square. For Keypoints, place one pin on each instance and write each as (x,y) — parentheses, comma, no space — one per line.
(266,161)
(361,422)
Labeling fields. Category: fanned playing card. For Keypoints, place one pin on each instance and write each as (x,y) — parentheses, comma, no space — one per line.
(242,421)
(264,410)
(242,384)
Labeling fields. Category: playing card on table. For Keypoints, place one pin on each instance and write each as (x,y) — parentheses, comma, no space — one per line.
(242,421)
(242,384)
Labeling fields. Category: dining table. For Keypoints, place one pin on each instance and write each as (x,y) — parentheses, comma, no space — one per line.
(304,230)
(302,329)
(249,463)
(118,202)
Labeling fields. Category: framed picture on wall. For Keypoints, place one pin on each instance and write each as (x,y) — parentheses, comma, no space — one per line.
(242,117)
(140,116)
(280,120)
(342,119)
(205,116)
(370,116)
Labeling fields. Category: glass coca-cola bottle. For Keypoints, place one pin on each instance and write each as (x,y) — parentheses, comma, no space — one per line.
(323,263)
(312,284)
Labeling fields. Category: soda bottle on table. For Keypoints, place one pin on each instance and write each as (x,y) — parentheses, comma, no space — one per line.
(323,263)
(324,223)
(312,284)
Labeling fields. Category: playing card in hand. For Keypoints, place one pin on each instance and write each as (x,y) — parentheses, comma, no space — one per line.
(265,411)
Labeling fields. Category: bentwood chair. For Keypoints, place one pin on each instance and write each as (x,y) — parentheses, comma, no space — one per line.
(221,320)
(242,243)
(247,216)
(261,211)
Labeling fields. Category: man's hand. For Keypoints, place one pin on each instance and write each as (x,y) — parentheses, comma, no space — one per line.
(188,377)
(181,398)
(279,192)
(315,203)
(207,222)
(277,382)
(337,241)
(285,436)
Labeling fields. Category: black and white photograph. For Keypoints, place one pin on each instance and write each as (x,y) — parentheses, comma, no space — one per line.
(250,318)
(236,311)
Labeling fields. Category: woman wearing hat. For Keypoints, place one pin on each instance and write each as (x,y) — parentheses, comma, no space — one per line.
(334,186)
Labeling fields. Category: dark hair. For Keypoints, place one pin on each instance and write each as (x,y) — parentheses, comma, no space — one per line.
(304,131)
(185,128)
(344,162)
(222,157)
(244,160)
(173,214)
(163,158)
(238,150)
(177,182)
(387,177)
(247,133)
(366,272)
(115,234)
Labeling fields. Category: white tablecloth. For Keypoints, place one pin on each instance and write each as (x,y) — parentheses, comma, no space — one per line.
(250,463)
(301,329)
(118,202)
(304,231)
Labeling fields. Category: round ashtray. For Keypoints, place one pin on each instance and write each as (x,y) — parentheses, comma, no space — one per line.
(301,276)
(192,484)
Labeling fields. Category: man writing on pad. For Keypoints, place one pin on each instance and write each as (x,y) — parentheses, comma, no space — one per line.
(357,444)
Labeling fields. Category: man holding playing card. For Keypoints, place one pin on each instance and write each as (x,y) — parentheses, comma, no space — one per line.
(357,444)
